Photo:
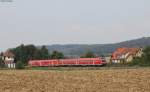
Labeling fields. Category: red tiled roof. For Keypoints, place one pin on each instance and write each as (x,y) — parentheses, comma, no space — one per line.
(122,51)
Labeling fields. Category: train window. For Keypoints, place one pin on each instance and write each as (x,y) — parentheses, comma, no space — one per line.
(103,60)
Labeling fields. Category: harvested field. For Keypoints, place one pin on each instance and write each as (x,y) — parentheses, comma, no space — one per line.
(110,80)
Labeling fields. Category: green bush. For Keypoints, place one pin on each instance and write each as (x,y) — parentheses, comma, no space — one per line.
(20,65)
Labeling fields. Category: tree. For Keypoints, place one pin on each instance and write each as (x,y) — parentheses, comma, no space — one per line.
(57,55)
(44,53)
(147,53)
(88,54)
(24,53)
(146,56)
(30,52)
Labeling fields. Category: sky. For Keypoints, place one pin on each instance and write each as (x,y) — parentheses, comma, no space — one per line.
(47,22)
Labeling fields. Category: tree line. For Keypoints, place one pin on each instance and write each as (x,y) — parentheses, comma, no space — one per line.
(24,53)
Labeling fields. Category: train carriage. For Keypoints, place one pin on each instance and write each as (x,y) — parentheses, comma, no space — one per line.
(68,62)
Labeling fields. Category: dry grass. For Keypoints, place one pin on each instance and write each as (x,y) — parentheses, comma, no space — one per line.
(115,80)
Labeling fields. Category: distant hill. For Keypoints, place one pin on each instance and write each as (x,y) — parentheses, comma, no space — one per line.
(99,49)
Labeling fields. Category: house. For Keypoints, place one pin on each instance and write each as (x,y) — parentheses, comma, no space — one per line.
(9,59)
(125,55)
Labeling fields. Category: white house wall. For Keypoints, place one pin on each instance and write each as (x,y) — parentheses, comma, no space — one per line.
(9,59)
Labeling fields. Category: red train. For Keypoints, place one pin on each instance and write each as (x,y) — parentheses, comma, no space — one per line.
(68,62)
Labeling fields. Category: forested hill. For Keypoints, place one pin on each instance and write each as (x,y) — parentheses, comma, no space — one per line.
(99,49)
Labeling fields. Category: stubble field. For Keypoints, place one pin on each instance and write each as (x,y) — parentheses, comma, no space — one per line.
(109,80)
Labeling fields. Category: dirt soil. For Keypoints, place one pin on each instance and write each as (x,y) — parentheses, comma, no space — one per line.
(110,80)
